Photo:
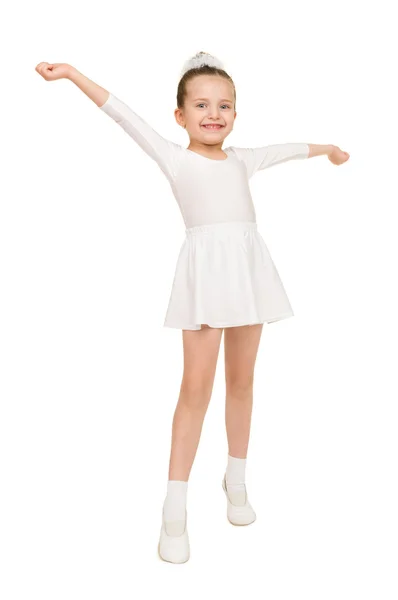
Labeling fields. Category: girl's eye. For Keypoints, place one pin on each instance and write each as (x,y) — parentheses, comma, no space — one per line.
(202,104)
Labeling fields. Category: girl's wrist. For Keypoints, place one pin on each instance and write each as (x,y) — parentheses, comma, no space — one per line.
(321,149)
(70,72)
(331,147)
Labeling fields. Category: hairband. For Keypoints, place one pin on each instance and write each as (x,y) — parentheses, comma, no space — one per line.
(200,59)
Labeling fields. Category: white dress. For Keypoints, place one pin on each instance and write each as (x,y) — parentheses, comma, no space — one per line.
(225,276)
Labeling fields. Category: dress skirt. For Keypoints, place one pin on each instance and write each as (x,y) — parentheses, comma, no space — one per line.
(225,277)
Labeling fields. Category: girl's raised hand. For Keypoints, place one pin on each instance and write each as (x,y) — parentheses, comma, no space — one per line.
(53,71)
(337,156)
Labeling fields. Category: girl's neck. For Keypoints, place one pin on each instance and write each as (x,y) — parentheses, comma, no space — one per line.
(211,151)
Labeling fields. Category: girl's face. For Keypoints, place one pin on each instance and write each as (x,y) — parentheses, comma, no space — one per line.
(209,101)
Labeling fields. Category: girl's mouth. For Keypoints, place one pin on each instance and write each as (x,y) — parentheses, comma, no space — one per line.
(212,127)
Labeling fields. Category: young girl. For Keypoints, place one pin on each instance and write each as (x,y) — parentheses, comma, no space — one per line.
(225,277)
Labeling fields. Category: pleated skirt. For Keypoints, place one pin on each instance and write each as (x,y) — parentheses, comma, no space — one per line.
(225,277)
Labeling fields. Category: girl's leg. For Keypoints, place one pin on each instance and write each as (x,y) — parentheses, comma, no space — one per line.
(240,346)
(201,349)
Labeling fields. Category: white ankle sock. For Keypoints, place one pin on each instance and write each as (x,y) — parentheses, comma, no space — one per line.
(235,473)
(235,480)
(176,500)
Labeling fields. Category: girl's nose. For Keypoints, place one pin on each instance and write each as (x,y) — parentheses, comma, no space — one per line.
(214,113)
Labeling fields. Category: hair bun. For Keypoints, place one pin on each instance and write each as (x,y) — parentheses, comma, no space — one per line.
(200,59)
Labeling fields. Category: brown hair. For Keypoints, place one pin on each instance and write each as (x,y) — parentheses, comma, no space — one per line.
(203,70)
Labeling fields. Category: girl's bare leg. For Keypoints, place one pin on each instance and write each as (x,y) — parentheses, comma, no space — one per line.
(240,347)
(201,349)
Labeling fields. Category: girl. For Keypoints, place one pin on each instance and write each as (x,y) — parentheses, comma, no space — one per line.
(225,277)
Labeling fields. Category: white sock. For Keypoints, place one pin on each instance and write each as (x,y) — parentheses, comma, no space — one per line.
(235,479)
(176,500)
(235,473)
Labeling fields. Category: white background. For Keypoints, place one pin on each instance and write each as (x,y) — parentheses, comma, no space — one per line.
(89,237)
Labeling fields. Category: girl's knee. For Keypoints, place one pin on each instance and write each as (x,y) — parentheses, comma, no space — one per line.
(195,392)
(240,387)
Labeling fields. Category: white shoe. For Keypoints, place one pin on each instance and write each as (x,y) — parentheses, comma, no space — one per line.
(239,509)
(174,542)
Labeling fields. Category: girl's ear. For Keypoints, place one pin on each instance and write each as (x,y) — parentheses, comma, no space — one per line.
(179,117)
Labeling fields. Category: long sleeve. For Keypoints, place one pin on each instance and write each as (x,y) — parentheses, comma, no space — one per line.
(263,157)
(167,154)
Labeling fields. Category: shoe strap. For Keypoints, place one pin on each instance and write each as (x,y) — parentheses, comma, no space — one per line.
(236,493)
(174,528)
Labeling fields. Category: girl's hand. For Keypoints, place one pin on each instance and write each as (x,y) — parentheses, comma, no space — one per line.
(53,71)
(337,156)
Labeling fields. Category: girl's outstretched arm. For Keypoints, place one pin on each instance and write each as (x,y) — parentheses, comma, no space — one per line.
(334,154)
(264,157)
(167,154)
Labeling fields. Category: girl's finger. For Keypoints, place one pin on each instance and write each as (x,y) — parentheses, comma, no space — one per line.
(41,67)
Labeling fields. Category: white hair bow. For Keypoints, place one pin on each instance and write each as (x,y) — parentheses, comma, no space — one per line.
(201,58)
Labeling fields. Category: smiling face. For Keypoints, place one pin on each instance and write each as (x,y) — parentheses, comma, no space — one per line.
(208,114)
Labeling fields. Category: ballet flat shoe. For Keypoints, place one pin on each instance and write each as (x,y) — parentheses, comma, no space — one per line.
(174,541)
(239,510)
